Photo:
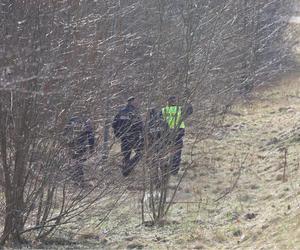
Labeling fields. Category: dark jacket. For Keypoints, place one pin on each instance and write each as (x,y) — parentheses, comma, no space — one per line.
(79,135)
(188,110)
(128,123)
(156,124)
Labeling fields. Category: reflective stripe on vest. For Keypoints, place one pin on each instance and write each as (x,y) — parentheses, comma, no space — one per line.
(172,115)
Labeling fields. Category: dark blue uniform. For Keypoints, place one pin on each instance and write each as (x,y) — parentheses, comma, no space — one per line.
(157,142)
(157,128)
(80,138)
(128,126)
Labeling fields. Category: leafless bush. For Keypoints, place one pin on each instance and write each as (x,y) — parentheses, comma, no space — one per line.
(209,53)
(86,57)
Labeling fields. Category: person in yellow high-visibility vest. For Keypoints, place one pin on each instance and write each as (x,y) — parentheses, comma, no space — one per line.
(174,115)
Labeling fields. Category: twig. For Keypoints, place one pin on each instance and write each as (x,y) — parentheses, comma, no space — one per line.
(236,181)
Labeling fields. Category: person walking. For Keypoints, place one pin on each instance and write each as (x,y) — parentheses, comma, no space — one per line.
(128,127)
(156,143)
(80,140)
(174,115)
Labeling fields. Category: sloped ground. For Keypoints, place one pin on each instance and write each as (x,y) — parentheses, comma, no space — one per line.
(242,191)
(262,210)
(237,196)
(264,202)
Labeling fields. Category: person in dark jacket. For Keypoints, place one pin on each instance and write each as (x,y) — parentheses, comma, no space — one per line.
(128,127)
(80,140)
(156,143)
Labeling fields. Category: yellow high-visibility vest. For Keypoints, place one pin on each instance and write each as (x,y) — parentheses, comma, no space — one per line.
(173,116)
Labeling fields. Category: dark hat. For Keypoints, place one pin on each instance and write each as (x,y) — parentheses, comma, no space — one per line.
(131,98)
(75,120)
(187,92)
(172,98)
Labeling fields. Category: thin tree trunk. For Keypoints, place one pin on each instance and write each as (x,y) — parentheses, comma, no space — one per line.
(13,222)
(105,149)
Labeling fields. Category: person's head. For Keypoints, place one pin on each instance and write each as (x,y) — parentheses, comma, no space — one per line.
(187,94)
(75,119)
(132,101)
(152,112)
(172,100)
(75,122)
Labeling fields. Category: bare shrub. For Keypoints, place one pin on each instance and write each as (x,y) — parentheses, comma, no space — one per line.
(61,58)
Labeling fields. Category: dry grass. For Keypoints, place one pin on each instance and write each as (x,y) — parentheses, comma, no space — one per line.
(267,125)
(244,164)
(261,212)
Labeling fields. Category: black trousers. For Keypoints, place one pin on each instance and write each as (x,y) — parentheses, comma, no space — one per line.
(76,171)
(157,145)
(176,141)
(128,145)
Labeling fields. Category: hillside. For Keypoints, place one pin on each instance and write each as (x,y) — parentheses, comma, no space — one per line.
(69,67)
(237,196)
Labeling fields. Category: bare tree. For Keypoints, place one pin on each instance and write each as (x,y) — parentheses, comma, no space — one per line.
(60,58)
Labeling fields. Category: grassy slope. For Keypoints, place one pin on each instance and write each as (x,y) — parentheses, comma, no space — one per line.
(256,138)
(249,149)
